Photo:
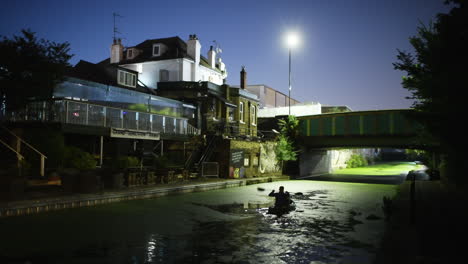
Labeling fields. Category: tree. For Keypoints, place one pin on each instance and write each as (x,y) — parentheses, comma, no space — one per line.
(286,149)
(436,71)
(30,68)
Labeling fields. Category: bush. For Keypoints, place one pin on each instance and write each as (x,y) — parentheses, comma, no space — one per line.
(48,141)
(356,160)
(79,159)
(124,162)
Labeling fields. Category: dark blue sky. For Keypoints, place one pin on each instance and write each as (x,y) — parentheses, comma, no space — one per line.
(345,58)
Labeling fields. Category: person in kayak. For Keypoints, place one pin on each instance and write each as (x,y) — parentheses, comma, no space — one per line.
(282,198)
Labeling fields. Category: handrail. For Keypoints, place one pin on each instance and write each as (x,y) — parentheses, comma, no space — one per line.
(43,157)
(17,153)
(26,143)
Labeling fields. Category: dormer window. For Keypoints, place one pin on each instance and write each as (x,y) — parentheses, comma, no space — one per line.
(130,54)
(126,78)
(156,49)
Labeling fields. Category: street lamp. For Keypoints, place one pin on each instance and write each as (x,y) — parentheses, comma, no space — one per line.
(292,40)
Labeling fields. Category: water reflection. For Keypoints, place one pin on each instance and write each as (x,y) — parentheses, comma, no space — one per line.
(292,238)
(330,225)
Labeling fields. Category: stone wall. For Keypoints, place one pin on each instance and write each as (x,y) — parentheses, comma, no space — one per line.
(247,159)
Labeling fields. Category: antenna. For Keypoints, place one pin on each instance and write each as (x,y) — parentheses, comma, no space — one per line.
(115,26)
(217,47)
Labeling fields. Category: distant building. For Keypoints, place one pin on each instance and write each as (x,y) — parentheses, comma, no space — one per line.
(269,97)
(326,109)
(297,110)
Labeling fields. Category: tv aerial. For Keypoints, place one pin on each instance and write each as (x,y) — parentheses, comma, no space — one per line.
(115,15)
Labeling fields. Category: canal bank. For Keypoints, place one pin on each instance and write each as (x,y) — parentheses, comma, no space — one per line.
(429,231)
(59,202)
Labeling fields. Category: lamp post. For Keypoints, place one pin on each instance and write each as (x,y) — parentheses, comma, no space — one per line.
(292,40)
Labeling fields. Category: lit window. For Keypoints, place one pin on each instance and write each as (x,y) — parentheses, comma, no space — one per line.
(246,160)
(126,78)
(156,49)
(241,111)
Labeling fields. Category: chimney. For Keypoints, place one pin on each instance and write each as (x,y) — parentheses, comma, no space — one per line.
(212,57)
(116,51)
(243,78)
(193,50)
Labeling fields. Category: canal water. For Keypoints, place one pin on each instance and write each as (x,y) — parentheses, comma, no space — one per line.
(333,223)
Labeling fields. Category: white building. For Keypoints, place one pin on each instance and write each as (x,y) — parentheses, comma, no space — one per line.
(304,109)
(168,60)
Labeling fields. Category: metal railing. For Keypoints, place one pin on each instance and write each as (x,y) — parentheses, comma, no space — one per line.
(21,157)
(82,113)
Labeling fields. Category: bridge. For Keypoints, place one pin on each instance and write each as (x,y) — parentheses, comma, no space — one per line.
(383,128)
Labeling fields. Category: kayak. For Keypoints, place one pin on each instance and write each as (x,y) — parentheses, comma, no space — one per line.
(281,210)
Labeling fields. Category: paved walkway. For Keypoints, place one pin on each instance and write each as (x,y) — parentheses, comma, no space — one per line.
(438,234)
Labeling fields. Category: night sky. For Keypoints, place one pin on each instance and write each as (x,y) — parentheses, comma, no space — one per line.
(345,58)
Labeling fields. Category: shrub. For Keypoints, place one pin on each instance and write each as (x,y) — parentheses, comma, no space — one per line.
(79,159)
(123,162)
(356,160)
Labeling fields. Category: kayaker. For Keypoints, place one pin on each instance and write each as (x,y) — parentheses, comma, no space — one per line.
(282,198)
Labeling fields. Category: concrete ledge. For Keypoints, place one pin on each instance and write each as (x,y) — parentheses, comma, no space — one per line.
(27,207)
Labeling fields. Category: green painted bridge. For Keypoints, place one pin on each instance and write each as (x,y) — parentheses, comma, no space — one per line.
(384,128)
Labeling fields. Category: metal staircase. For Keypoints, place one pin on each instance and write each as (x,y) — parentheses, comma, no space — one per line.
(201,153)
(19,142)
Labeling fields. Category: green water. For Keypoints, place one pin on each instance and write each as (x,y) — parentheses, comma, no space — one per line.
(382,169)
(330,225)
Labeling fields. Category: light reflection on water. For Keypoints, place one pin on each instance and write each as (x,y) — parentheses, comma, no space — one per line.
(326,227)
(297,237)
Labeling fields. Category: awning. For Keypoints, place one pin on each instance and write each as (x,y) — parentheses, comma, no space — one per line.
(225,101)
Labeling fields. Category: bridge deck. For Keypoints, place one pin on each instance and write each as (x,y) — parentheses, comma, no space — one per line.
(359,129)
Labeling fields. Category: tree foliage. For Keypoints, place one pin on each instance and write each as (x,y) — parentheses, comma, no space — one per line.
(286,148)
(30,68)
(437,69)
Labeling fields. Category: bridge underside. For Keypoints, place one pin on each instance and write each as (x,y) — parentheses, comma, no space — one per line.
(378,141)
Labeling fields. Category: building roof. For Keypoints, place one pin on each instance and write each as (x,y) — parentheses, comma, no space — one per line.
(103,74)
(92,72)
(176,49)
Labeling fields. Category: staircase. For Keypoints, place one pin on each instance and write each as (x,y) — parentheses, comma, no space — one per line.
(202,154)
(10,152)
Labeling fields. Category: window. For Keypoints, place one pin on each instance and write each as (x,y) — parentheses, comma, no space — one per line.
(156,49)
(231,114)
(253,114)
(130,54)
(241,112)
(246,160)
(126,78)
(255,159)
(163,75)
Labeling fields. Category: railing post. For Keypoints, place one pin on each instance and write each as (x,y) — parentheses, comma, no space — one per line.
(42,169)
(66,111)
(150,122)
(87,113)
(101,150)
(137,120)
(43,111)
(121,119)
(104,110)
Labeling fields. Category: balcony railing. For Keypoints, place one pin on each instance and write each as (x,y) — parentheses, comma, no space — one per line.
(87,114)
